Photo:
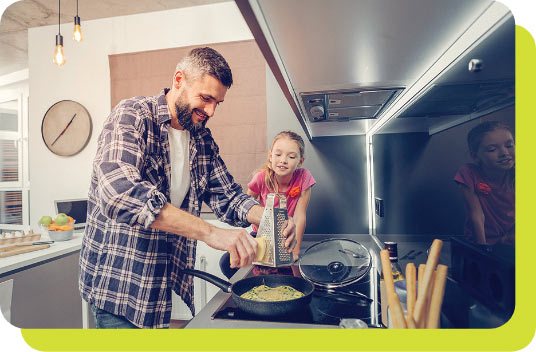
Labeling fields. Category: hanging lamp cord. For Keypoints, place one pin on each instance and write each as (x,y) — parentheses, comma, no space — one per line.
(59,12)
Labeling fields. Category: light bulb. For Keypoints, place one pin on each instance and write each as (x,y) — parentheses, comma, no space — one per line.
(59,57)
(77,32)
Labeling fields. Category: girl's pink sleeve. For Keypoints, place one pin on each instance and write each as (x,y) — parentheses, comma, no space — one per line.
(465,176)
(307,180)
(256,182)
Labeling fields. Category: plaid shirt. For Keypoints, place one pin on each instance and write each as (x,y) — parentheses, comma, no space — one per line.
(126,267)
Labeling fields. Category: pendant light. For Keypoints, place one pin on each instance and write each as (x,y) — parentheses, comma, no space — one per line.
(77,32)
(59,58)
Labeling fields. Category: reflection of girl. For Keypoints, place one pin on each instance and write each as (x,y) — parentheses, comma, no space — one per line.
(282,173)
(487,185)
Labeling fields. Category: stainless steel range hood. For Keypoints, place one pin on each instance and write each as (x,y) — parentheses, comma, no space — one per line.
(346,105)
(344,64)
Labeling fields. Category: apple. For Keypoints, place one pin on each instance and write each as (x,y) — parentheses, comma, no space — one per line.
(61,219)
(45,220)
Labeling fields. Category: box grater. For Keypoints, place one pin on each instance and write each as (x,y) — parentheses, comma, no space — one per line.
(271,229)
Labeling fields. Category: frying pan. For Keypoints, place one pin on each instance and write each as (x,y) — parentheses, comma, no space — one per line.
(260,308)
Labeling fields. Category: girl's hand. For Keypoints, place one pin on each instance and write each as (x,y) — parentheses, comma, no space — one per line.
(289,233)
(508,239)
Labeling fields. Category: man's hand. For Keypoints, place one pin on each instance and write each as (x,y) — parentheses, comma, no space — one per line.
(241,246)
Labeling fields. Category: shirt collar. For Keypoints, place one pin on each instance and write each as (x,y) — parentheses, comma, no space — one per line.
(162,108)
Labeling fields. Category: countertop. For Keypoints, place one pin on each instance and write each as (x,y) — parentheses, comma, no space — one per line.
(18,262)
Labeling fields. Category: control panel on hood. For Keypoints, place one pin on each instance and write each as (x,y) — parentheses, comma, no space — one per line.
(346,105)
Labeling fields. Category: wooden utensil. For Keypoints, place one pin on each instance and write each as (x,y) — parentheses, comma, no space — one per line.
(431,264)
(420,281)
(399,322)
(411,292)
(436,298)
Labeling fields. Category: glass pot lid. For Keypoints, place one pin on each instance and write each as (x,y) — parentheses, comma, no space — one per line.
(335,262)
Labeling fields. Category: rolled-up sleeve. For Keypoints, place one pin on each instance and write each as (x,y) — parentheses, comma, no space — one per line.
(465,176)
(124,195)
(225,197)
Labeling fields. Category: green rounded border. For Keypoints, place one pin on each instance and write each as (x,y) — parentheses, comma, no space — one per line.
(514,335)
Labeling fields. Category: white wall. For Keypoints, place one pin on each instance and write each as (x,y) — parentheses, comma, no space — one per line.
(85,78)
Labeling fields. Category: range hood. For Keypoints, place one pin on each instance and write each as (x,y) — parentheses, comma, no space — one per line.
(346,105)
(344,64)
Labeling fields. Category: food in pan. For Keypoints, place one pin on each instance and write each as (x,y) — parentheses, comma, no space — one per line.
(272,294)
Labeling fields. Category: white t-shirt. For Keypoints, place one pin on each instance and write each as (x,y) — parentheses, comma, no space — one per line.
(179,153)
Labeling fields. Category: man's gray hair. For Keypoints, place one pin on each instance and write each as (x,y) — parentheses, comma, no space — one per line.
(206,61)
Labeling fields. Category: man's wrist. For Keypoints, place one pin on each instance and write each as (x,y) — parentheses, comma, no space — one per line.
(255,215)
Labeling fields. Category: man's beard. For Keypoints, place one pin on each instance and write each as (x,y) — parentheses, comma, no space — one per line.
(184,117)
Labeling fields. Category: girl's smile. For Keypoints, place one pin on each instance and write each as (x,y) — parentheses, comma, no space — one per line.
(285,157)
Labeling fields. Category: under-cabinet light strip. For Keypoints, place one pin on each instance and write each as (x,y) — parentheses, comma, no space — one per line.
(370,185)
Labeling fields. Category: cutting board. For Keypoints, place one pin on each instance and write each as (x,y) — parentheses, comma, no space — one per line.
(19,249)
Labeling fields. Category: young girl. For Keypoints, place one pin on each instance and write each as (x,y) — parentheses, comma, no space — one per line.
(282,173)
(487,185)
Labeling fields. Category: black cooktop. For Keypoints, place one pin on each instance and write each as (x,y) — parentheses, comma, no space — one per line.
(326,308)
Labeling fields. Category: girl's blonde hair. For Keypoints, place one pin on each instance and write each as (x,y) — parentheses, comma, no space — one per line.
(269,174)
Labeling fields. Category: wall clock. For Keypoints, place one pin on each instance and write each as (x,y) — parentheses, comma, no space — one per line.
(66,128)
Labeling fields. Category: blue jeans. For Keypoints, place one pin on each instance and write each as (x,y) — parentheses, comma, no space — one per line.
(105,320)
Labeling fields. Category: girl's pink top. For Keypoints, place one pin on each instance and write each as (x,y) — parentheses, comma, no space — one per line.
(497,202)
(300,181)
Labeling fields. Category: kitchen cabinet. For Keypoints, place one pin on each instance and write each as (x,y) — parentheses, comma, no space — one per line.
(45,286)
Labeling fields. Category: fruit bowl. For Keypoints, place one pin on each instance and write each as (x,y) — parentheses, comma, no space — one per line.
(58,236)
(59,229)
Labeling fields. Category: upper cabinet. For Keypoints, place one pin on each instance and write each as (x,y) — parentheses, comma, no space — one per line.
(348,66)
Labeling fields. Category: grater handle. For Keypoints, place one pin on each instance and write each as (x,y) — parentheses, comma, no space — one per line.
(270,198)
(282,201)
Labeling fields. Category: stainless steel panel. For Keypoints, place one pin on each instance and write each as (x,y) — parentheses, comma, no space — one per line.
(358,112)
(371,97)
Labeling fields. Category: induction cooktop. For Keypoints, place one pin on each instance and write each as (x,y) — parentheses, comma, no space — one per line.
(326,308)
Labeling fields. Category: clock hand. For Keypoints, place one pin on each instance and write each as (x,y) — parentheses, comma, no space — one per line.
(62,132)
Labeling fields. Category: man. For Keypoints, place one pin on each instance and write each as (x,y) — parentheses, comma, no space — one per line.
(154,158)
